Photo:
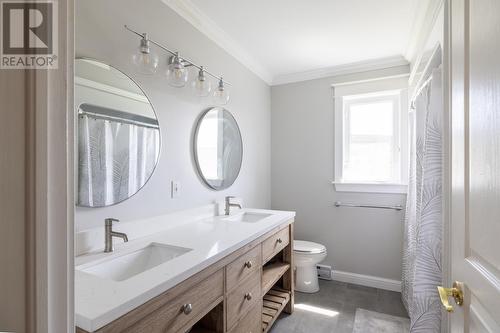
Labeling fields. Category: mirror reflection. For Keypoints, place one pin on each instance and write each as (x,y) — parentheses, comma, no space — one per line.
(118,135)
(218,148)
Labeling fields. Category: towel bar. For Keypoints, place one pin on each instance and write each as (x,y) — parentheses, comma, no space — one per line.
(341,204)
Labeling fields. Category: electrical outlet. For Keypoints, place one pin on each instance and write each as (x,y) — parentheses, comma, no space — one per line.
(175,189)
(324,272)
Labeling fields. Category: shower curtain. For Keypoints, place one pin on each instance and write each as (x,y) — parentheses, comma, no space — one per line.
(423,219)
(114,159)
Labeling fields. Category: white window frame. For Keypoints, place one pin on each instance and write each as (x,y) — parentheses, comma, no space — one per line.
(398,96)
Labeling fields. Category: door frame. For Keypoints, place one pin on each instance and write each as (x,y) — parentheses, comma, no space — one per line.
(37,193)
(447,159)
(50,132)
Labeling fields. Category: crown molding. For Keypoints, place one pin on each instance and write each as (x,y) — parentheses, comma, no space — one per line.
(357,67)
(419,17)
(431,16)
(191,13)
(426,14)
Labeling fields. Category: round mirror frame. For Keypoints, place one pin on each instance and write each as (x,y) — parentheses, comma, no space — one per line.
(159,132)
(195,153)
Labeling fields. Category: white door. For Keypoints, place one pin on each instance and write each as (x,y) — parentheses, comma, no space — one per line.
(475,163)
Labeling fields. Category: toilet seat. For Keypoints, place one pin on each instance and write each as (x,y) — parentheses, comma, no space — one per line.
(308,247)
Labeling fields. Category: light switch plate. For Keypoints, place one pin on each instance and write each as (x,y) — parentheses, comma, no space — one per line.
(175,189)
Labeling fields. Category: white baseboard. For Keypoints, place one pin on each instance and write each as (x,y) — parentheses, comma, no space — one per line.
(367,280)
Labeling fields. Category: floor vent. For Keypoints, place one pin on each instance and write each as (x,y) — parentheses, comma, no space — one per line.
(324,272)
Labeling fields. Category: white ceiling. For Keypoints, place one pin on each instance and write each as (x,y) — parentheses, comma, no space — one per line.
(277,38)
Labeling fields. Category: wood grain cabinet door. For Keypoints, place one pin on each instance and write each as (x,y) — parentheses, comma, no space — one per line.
(243,298)
(184,310)
(252,322)
(275,243)
(242,267)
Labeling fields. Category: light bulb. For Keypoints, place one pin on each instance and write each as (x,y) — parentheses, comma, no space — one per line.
(145,61)
(201,85)
(177,74)
(221,95)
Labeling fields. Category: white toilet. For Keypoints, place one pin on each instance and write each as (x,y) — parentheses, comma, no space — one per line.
(307,255)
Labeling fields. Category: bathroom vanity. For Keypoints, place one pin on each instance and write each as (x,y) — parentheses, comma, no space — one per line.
(195,271)
(217,274)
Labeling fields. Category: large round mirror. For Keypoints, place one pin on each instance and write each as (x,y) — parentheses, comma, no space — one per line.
(218,148)
(118,135)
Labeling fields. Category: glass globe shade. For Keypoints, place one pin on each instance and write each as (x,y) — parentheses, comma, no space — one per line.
(221,96)
(145,63)
(177,74)
(201,85)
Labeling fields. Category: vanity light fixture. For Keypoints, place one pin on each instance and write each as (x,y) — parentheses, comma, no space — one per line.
(145,61)
(201,85)
(177,69)
(221,95)
(177,74)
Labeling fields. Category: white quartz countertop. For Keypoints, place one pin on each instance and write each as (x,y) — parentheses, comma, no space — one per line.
(99,301)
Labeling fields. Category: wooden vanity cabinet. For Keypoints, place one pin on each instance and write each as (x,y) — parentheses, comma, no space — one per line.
(250,323)
(246,265)
(274,244)
(242,293)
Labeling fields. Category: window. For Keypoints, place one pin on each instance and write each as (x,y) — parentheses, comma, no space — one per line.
(371,140)
(369,153)
(210,134)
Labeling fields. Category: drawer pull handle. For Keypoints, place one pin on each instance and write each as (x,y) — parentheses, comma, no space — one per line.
(279,240)
(187,308)
(248,264)
(248,296)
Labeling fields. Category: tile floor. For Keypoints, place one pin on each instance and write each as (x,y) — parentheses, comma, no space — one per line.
(340,301)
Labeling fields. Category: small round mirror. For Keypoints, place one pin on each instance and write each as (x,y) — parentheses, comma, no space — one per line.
(218,148)
(118,135)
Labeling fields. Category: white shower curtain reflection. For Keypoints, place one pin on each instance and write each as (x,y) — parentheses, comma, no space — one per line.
(115,160)
(423,220)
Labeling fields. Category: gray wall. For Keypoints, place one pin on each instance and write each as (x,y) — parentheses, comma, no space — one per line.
(100,34)
(362,241)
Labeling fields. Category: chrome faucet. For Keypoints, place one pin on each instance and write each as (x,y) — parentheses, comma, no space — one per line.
(229,205)
(109,234)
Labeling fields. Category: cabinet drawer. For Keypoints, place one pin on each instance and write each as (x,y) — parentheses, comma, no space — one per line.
(243,298)
(242,267)
(275,243)
(252,322)
(173,316)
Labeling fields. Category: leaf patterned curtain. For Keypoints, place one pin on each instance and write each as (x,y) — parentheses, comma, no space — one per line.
(423,219)
(114,160)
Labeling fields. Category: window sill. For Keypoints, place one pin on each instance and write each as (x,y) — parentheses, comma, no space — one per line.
(371,187)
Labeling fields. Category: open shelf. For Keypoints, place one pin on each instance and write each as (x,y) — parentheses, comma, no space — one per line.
(212,322)
(197,329)
(274,302)
(271,273)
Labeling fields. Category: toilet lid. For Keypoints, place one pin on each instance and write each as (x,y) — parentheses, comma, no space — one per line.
(308,247)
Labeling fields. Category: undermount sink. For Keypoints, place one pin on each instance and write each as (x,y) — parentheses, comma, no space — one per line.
(247,217)
(129,265)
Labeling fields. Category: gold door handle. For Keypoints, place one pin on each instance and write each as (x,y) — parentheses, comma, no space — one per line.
(457,292)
